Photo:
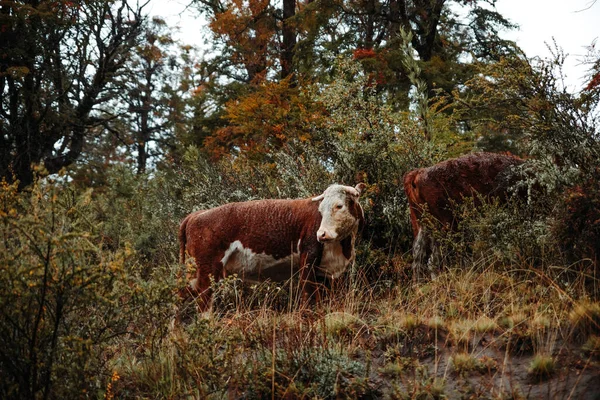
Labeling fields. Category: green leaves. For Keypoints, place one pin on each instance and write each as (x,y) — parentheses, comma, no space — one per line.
(56,292)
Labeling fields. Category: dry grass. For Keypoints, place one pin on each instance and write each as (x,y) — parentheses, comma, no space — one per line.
(592,347)
(542,367)
(476,324)
(585,319)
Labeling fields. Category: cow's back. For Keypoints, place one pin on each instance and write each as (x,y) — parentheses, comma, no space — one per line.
(438,187)
(483,173)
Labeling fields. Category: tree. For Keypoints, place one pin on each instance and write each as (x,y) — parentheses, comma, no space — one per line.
(243,37)
(153,99)
(257,43)
(592,59)
(370,30)
(264,120)
(59,64)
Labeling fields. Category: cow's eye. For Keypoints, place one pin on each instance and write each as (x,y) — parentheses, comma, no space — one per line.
(339,206)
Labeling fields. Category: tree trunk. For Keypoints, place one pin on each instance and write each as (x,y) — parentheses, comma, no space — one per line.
(289,38)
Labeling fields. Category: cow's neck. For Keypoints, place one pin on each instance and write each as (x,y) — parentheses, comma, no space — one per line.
(337,256)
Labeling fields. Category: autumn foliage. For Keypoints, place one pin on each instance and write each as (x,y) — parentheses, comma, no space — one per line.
(247,30)
(264,120)
(112,131)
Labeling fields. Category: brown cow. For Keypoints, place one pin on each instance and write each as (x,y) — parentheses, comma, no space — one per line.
(273,239)
(436,189)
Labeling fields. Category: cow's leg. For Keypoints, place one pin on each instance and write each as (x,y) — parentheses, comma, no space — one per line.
(435,258)
(187,296)
(198,293)
(421,253)
(308,279)
(199,288)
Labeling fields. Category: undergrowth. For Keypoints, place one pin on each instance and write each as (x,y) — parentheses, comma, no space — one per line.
(89,284)
(487,324)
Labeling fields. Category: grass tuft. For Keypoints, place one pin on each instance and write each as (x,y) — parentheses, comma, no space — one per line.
(514,320)
(485,324)
(340,324)
(392,370)
(463,363)
(592,347)
(541,367)
(436,322)
(460,332)
(585,319)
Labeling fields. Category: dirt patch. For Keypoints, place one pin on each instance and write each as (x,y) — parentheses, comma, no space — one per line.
(485,367)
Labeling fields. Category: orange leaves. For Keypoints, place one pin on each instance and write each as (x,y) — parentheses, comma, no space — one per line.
(248,30)
(359,54)
(264,120)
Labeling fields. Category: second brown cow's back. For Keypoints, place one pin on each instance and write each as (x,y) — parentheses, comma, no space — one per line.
(437,188)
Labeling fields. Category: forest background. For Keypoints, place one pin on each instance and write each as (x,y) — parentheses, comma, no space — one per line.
(112,131)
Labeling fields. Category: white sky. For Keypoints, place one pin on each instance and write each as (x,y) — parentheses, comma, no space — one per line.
(574,24)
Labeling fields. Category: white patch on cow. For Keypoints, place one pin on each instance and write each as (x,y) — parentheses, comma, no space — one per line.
(243,261)
(333,261)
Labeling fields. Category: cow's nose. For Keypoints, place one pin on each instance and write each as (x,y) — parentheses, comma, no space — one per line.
(324,236)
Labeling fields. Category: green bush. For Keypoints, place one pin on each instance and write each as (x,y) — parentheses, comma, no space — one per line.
(58,300)
(71,285)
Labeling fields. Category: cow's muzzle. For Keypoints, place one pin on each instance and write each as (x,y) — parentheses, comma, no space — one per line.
(324,236)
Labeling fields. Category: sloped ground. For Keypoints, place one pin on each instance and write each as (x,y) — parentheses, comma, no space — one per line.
(489,367)
(469,334)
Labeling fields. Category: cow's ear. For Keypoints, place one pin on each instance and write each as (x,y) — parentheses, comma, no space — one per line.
(360,188)
(318,198)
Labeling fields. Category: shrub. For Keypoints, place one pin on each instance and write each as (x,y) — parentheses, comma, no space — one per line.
(578,225)
(72,286)
(58,297)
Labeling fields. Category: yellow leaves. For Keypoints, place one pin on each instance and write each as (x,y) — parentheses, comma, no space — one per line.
(17,72)
(11,212)
(304,137)
(115,376)
(8,198)
(115,266)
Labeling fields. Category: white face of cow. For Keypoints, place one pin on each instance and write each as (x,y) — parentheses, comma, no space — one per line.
(340,211)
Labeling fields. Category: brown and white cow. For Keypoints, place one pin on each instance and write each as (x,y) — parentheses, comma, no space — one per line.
(439,188)
(273,239)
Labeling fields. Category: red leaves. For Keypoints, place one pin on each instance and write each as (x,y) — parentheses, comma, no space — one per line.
(578,227)
(594,83)
(375,63)
(360,54)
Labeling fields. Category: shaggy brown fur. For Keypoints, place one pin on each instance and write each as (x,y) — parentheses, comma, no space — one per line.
(437,188)
(268,239)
